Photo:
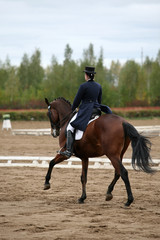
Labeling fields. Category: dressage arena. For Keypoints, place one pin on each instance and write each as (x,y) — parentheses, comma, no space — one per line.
(28,212)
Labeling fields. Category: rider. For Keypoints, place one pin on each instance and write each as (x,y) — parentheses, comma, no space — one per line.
(89,95)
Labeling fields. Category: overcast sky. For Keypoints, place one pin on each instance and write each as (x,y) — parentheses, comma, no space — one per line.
(121,27)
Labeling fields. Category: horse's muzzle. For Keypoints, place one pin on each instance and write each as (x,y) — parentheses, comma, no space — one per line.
(55,132)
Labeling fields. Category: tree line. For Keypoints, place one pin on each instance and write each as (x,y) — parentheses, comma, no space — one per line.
(130,84)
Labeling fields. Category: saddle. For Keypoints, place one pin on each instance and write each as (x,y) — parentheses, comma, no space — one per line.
(95,112)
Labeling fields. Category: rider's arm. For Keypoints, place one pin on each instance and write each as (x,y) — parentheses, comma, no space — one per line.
(78,97)
(100,96)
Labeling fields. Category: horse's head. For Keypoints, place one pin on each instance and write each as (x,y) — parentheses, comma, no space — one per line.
(59,111)
(54,118)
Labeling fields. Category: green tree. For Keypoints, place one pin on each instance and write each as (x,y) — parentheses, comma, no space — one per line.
(100,77)
(121,86)
(88,56)
(52,81)
(3,75)
(24,72)
(100,69)
(9,90)
(147,67)
(68,53)
(141,93)
(69,80)
(12,86)
(155,83)
(115,69)
(128,82)
(36,72)
(158,57)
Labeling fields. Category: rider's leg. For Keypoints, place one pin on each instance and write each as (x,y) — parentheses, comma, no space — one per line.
(69,144)
(70,140)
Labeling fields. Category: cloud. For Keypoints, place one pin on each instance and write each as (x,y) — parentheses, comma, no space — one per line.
(121,27)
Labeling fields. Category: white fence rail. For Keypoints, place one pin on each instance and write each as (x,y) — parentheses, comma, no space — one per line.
(146,130)
(35,132)
(149,130)
(73,162)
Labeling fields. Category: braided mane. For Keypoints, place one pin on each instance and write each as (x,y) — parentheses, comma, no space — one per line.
(62,98)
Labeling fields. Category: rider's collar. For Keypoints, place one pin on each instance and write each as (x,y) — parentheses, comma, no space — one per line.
(90,80)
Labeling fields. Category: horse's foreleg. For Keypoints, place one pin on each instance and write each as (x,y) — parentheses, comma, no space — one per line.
(109,195)
(84,180)
(59,158)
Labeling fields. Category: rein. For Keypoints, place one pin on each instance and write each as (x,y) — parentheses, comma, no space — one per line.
(58,124)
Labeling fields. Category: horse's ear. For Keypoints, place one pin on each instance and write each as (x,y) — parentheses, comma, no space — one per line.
(47,102)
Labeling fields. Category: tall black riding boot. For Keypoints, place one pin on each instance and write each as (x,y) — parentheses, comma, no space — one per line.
(69,145)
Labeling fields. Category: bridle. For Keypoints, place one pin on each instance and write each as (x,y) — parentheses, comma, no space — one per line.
(59,123)
(53,125)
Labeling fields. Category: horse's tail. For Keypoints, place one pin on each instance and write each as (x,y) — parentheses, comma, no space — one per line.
(141,147)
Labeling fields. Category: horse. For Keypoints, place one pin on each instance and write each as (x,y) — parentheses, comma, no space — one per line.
(108,135)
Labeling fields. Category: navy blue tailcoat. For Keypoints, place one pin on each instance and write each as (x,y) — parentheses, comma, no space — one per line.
(89,95)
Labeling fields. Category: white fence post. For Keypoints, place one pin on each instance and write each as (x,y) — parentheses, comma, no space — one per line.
(6,122)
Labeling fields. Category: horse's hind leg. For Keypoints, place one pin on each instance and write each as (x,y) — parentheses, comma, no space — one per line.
(121,171)
(109,195)
(124,176)
(84,180)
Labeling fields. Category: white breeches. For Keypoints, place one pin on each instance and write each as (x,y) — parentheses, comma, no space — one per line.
(78,133)
(69,127)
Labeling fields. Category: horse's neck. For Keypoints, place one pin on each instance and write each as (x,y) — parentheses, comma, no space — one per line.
(63,110)
(63,114)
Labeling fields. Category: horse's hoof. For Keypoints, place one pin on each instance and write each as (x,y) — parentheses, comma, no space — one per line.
(46,186)
(128,203)
(80,200)
(109,196)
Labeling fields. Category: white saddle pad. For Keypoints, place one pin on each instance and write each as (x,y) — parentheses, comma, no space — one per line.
(79,133)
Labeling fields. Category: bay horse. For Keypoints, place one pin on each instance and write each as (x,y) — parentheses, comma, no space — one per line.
(108,135)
